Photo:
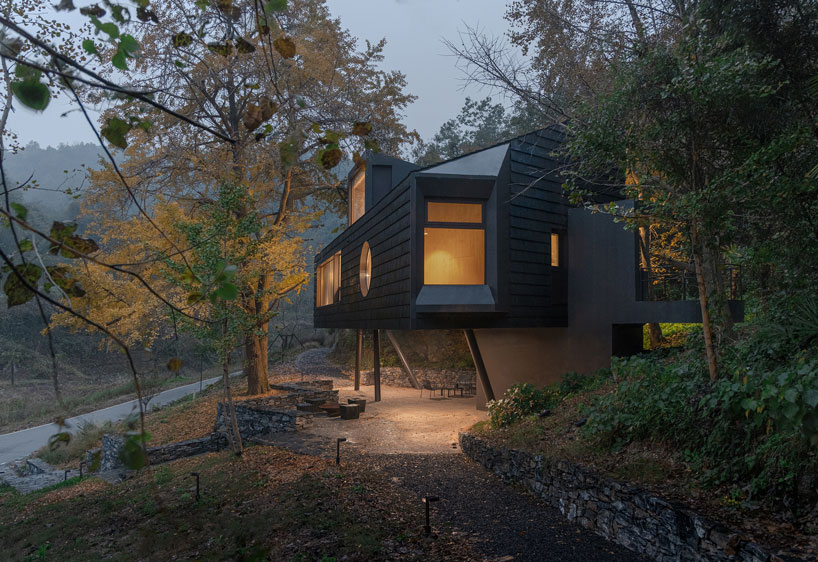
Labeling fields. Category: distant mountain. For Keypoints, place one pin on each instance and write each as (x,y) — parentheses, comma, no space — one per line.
(46,173)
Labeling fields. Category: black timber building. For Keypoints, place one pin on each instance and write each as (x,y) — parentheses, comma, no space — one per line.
(489,243)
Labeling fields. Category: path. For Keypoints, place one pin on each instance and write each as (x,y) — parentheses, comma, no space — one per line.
(410,440)
(19,444)
(314,363)
(502,522)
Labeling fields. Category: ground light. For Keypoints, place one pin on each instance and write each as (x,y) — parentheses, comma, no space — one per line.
(196,476)
(427,500)
(338,450)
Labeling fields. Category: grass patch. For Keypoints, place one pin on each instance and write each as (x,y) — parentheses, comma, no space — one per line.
(267,505)
(86,437)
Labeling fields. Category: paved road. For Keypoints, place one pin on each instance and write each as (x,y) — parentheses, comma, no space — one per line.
(22,443)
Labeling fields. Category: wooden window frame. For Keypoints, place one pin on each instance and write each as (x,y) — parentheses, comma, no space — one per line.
(561,249)
(360,174)
(319,284)
(454,225)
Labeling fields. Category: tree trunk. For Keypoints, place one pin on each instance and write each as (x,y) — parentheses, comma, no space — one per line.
(255,363)
(712,365)
(654,329)
(231,425)
(717,291)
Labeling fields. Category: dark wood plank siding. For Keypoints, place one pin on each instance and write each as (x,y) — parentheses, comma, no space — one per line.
(386,227)
(536,207)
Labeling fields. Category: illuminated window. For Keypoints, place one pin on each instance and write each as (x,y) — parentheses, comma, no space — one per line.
(454,246)
(357,197)
(328,281)
(365,274)
(555,249)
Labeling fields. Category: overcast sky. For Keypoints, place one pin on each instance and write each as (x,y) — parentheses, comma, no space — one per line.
(413,30)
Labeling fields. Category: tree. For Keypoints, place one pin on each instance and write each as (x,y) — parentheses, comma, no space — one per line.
(40,68)
(285,92)
(696,116)
(478,125)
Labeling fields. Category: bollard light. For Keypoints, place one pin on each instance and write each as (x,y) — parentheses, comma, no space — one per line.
(338,450)
(196,476)
(427,500)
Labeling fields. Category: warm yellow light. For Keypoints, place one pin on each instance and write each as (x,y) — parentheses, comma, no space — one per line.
(555,249)
(470,213)
(357,197)
(365,269)
(328,281)
(454,256)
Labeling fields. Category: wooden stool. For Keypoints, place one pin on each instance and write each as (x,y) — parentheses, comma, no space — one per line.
(349,411)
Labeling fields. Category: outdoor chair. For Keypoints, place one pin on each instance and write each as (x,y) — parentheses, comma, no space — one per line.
(466,387)
(431,388)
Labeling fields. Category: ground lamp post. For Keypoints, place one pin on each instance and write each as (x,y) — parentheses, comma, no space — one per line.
(196,476)
(338,450)
(427,500)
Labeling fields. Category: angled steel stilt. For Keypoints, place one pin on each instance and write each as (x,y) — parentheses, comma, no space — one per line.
(376,363)
(404,363)
(479,365)
(358,352)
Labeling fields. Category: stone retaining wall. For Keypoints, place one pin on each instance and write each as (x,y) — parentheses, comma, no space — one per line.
(395,376)
(112,445)
(300,386)
(253,421)
(256,416)
(288,401)
(622,513)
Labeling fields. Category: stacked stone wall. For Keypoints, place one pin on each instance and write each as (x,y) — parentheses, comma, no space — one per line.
(254,421)
(625,514)
(395,376)
(108,454)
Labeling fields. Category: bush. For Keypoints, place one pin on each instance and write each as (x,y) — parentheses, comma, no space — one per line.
(519,401)
(86,437)
(755,427)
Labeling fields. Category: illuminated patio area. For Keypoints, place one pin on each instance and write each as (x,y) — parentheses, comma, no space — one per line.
(402,422)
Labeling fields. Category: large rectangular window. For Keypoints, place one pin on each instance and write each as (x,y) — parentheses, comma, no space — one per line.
(357,197)
(328,281)
(454,245)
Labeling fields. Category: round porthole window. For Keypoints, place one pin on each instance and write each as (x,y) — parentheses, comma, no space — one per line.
(366,268)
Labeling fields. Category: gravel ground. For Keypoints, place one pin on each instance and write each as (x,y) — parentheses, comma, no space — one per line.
(313,363)
(501,521)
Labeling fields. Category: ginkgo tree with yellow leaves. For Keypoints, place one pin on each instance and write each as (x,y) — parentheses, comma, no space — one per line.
(285,93)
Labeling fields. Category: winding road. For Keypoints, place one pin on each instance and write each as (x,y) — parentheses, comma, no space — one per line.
(19,444)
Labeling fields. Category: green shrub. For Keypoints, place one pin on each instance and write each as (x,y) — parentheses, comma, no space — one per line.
(519,401)
(756,426)
(86,437)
